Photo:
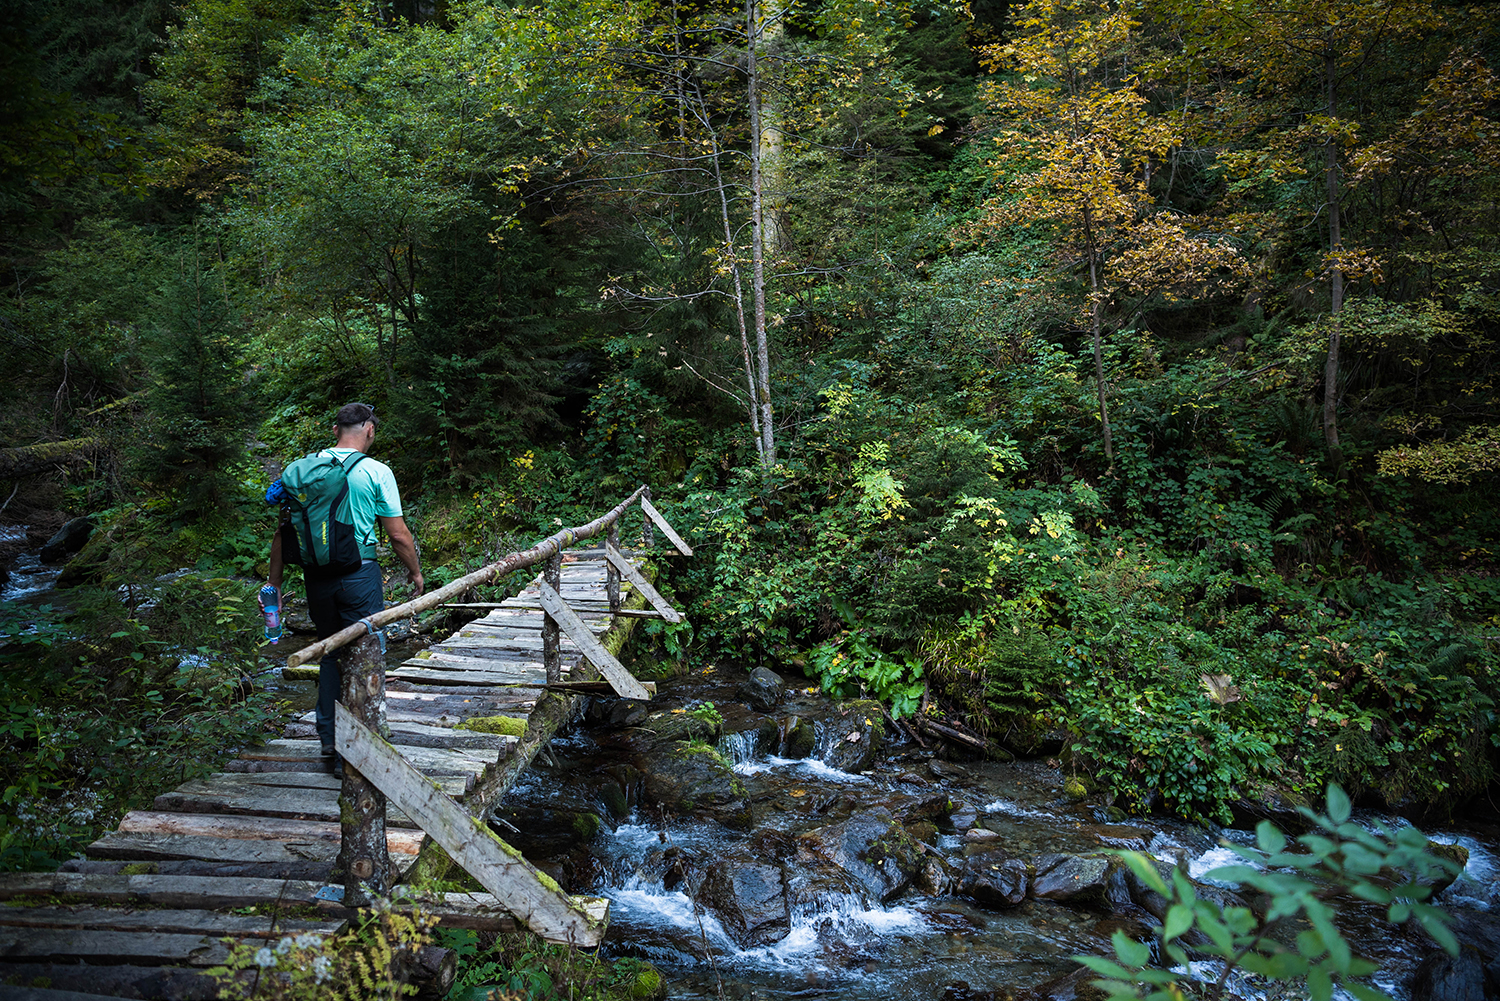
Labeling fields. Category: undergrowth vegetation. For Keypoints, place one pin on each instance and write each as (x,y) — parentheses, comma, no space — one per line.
(1175,461)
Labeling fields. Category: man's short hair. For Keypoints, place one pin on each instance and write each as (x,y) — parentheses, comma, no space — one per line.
(354,414)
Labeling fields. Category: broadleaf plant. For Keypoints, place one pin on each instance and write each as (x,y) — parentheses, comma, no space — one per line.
(1296,939)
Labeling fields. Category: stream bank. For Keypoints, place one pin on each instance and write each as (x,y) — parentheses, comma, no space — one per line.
(775,845)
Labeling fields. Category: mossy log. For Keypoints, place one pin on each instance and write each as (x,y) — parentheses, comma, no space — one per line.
(27,460)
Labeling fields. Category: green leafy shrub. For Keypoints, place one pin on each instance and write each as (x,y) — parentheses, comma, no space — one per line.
(1296,937)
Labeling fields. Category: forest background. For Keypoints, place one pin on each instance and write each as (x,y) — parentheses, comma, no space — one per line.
(1112,376)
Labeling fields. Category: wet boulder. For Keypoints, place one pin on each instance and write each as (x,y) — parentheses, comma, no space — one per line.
(694,779)
(679,725)
(798,737)
(872,847)
(935,878)
(1121,836)
(1077,985)
(852,737)
(676,868)
(1441,977)
(538,831)
(763,690)
(1071,879)
(963,817)
(749,899)
(68,540)
(991,879)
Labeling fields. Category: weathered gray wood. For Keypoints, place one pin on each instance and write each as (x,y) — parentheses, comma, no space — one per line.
(405,732)
(362,809)
(162,920)
(500,869)
(611,571)
(435,761)
(8,993)
(292,832)
(484,912)
(661,523)
(604,661)
(207,892)
(551,652)
(41,944)
(317,872)
(77,981)
(549,546)
(205,796)
(642,585)
(151,847)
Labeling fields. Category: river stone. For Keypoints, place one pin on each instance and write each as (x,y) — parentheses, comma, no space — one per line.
(872,847)
(799,737)
(750,901)
(992,880)
(676,868)
(68,540)
(963,817)
(981,835)
(763,690)
(1075,986)
(852,736)
(1071,879)
(1121,836)
(1441,977)
(935,878)
(695,779)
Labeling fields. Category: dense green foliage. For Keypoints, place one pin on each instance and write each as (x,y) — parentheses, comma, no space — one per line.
(1390,869)
(1095,428)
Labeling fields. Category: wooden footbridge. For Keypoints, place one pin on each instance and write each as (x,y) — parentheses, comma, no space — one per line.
(275,845)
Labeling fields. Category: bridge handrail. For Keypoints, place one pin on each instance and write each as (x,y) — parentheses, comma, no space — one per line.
(548,547)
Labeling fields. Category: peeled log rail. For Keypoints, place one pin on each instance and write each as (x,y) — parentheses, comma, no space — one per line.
(547,548)
(28,459)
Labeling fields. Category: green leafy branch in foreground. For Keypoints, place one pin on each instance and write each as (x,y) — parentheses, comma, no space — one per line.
(1393,870)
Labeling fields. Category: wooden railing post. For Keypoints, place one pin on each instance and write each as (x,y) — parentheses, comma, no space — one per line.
(551,644)
(363,856)
(648,530)
(612,577)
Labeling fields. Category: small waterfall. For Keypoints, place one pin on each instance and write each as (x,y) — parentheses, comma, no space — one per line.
(740,748)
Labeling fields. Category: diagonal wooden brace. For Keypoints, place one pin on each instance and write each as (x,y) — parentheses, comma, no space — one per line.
(621,680)
(661,523)
(642,585)
(517,884)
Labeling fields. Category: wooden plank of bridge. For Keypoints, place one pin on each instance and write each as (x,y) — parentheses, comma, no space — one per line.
(201,857)
(528,894)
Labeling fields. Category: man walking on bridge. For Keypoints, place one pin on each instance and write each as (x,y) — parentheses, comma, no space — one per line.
(331,501)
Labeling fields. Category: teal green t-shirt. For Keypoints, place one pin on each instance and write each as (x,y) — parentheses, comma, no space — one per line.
(372,493)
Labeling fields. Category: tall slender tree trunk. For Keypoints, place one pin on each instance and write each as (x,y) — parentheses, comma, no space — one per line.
(1336,273)
(758,237)
(751,381)
(1096,324)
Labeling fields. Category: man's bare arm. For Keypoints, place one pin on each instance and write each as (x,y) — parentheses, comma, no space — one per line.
(405,547)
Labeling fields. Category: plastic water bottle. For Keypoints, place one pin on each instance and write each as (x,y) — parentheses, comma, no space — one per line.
(270,610)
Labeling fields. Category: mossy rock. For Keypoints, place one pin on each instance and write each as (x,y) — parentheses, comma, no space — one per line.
(508,726)
(1075,788)
(646,984)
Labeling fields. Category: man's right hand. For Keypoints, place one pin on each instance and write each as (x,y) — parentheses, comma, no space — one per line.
(414,578)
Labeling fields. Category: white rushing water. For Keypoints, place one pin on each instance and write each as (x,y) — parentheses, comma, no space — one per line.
(645,906)
(29,576)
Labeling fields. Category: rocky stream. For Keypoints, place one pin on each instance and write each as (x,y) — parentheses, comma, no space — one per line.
(760,841)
